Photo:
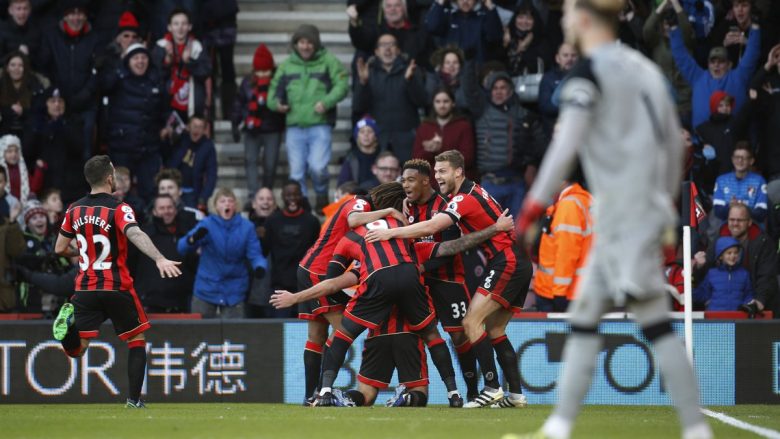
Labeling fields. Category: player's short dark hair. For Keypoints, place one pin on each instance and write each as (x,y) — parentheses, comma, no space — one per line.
(97,169)
(388,195)
(419,165)
(454,157)
(168,174)
(177,11)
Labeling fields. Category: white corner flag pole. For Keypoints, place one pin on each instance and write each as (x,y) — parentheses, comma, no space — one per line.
(687,292)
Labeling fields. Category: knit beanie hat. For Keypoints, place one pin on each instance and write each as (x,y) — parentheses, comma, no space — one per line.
(311,33)
(134,49)
(366,121)
(716,97)
(263,59)
(127,21)
(32,208)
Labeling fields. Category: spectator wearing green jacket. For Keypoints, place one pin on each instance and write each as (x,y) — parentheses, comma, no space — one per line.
(306,88)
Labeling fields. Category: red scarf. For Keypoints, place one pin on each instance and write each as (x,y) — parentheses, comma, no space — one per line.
(179,87)
(14,181)
(74,33)
(259,100)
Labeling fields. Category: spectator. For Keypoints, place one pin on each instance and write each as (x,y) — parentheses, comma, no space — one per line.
(386,169)
(448,72)
(68,59)
(136,117)
(262,127)
(127,33)
(168,181)
(38,256)
(8,203)
(124,192)
(394,20)
(51,201)
(391,89)
(509,140)
(726,287)
(445,130)
(719,75)
(219,30)
(473,30)
(549,90)
(196,158)
(262,206)
(527,50)
(759,257)
(12,245)
(21,183)
(226,242)
(290,232)
(722,129)
(733,31)
(307,87)
(631,21)
(20,92)
(741,186)
(359,160)
(185,65)
(766,107)
(345,192)
(172,294)
(110,16)
(57,140)
(19,32)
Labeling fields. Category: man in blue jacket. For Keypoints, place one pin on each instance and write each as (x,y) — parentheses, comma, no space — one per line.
(227,242)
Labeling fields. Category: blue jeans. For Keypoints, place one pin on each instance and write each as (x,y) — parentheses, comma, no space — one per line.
(268,143)
(509,196)
(308,151)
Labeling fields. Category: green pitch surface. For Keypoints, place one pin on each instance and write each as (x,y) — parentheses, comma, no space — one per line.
(235,421)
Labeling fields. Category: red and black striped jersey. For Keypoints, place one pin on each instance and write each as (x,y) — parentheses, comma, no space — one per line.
(473,209)
(317,257)
(376,255)
(452,267)
(99,223)
(395,324)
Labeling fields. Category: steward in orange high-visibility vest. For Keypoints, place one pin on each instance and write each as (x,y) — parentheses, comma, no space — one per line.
(563,248)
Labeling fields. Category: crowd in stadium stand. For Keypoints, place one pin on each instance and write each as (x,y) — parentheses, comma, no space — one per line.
(140,81)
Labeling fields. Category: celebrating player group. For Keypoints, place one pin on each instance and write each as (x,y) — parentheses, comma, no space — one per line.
(401,245)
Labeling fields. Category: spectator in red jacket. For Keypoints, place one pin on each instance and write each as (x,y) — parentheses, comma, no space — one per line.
(445,130)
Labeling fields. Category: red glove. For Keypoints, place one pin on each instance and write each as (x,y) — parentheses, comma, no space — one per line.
(531,211)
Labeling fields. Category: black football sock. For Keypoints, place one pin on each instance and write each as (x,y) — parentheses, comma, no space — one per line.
(322,366)
(417,399)
(136,367)
(72,343)
(507,358)
(312,362)
(443,362)
(358,398)
(334,358)
(484,353)
(468,365)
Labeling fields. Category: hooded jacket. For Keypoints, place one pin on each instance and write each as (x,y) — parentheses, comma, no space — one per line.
(725,288)
(222,277)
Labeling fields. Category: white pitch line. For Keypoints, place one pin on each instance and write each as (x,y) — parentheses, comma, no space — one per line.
(742,425)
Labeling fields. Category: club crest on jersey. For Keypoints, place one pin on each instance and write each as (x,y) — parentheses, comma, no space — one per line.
(457,198)
(411,219)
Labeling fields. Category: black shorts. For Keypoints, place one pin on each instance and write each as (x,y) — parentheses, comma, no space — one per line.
(397,285)
(384,353)
(507,278)
(92,308)
(451,300)
(312,309)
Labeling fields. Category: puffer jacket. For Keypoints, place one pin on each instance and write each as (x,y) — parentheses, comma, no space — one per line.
(724,288)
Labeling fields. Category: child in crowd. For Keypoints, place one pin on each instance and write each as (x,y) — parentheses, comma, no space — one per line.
(727,285)
(51,201)
(20,182)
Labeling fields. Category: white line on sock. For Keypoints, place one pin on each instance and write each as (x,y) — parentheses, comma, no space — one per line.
(742,425)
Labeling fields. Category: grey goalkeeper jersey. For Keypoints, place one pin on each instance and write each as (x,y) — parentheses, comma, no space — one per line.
(618,116)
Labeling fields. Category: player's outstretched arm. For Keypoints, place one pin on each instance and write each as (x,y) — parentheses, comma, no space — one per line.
(504,223)
(436,224)
(355,219)
(286,299)
(141,240)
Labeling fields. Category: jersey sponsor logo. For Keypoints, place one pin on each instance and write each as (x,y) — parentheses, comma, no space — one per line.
(726,189)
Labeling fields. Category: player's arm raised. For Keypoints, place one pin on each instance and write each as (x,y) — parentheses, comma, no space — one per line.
(355,219)
(436,224)
(504,223)
(286,299)
(141,240)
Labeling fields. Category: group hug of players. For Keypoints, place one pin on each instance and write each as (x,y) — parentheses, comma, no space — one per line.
(401,245)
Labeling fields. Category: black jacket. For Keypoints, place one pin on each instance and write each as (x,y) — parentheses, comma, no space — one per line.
(59,143)
(12,36)
(69,63)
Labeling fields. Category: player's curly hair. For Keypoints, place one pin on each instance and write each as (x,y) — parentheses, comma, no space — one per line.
(419,165)
(388,195)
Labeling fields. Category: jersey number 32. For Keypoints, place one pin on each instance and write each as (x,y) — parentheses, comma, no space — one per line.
(101,243)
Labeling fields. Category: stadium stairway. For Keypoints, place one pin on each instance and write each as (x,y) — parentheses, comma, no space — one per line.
(273,23)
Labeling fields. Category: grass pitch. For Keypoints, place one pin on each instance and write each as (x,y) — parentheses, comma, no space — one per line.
(235,421)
